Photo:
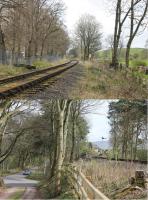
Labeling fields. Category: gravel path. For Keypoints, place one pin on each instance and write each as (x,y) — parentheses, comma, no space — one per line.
(60,87)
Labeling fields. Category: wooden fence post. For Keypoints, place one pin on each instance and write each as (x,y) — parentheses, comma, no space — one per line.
(83,187)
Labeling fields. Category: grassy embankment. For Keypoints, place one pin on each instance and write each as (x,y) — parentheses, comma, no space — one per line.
(102,82)
(109,177)
(9,70)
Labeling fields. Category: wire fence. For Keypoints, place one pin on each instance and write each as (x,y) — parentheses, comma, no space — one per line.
(9,58)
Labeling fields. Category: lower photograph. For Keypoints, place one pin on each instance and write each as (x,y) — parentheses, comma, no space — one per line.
(73,149)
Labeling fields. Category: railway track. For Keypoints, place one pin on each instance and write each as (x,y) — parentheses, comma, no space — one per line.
(121,160)
(17,84)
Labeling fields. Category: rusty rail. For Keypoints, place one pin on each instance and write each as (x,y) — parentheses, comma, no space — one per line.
(26,75)
(13,85)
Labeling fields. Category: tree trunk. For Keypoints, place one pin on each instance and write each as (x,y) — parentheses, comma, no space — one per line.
(42,50)
(29,53)
(127,55)
(73,142)
(53,168)
(63,115)
(60,153)
(135,149)
(116,36)
(3,57)
(133,31)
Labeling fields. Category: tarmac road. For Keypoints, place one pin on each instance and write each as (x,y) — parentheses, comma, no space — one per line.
(19,180)
(15,183)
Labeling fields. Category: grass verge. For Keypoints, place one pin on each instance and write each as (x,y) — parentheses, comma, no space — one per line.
(35,176)
(9,70)
(104,83)
(41,64)
(17,195)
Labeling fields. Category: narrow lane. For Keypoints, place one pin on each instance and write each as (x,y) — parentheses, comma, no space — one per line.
(17,182)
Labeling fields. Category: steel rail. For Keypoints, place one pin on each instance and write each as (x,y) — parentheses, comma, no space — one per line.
(10,86)
(26,75)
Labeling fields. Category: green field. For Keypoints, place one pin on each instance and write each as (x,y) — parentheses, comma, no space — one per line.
(137,56)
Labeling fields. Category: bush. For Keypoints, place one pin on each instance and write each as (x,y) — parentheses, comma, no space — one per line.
(137,63)
(47,190)
(8,70)
(41,64)
(142,154)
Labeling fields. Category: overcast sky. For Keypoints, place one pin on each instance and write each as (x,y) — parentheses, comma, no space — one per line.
(98,122)
(98,8)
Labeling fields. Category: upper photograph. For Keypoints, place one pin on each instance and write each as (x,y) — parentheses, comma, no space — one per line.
(88,49)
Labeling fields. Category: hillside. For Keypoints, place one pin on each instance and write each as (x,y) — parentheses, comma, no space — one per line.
(102,144)
(136,53)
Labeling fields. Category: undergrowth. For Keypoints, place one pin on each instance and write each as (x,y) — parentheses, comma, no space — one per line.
(102,82)
(47,190)
(43,63)
(35,176)
(110,176)
(9,70)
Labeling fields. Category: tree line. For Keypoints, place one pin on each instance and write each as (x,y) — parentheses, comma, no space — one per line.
(35,28)
(32,28)
(128,135)
(130,15)
(47,134)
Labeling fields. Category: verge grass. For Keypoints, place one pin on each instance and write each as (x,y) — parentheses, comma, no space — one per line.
(35,176)
(41,64)
(102,82)
(17,195)
(9,70)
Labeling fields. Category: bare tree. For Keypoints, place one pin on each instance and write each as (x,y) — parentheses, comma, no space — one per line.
(5,5)
(88,32)
(8,111)
(63,118)
(123,9)
(137,15)
(28,27)
(109,42)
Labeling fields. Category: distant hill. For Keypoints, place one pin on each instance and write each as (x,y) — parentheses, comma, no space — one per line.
(136,53)
(102,144)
